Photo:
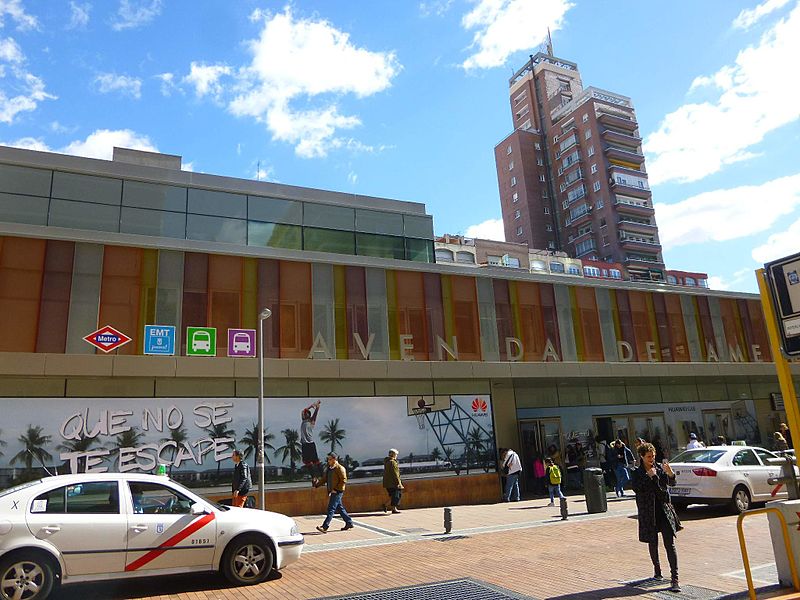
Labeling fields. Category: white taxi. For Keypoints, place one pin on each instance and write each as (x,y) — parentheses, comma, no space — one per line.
(78,528)
(733,475)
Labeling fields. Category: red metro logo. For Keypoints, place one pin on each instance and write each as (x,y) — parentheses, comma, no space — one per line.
(479,406)
(107,339)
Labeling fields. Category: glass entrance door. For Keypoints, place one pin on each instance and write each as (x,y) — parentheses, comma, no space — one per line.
(541,438)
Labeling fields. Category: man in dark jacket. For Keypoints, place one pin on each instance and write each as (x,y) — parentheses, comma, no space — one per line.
(241,483)
(391,480)
(656,513)
(335,480)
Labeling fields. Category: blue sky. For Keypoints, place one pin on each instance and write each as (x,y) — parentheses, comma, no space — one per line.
(407,100)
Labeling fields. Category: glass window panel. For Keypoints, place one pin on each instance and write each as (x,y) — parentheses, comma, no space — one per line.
(328,240)
(216,229)
(419,250)
(372,221)
(383,246)
(153,222)
(87,188)
(275,210)
(150,195)
(23,209)
(54,308)
(84,215)
(223,204)
(418,227)
(274,235)
(22,180)
(334,217)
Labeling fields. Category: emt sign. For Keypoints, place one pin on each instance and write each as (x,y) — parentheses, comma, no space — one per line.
(159,339)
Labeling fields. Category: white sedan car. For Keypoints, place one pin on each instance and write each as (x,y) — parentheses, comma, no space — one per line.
(734,475)
(78,528)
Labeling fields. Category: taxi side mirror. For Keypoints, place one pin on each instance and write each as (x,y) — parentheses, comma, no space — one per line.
(198,509)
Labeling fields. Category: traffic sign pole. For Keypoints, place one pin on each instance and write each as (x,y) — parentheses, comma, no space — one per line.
(781,364)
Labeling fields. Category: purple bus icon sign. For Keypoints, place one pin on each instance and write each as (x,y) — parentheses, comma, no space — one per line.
(241,342)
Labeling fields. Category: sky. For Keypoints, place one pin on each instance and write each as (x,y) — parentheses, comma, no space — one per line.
(407,100)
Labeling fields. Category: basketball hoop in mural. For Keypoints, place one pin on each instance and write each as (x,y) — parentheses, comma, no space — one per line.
(420,411)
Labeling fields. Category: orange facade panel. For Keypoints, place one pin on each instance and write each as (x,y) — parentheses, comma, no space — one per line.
(296,335)
(21,270)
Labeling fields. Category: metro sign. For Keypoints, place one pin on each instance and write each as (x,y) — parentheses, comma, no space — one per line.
(107,339)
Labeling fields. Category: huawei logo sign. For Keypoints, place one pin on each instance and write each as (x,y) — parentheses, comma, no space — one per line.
(479,405)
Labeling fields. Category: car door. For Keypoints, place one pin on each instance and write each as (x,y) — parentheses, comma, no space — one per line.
(748,466)
(162,531)
(84,522)
(771,470)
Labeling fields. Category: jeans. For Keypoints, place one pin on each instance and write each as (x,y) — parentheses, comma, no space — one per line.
(511,492)
(554,488)
(334,504)
(394,496)
(622,478)
(668,537)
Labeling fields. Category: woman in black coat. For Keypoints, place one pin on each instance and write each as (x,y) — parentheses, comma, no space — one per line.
(656,513)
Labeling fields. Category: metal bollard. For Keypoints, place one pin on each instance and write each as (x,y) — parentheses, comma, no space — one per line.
(448,519)
(564,509)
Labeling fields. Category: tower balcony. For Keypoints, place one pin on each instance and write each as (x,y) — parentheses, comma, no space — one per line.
(618,122)
(628,204)
(617,137)
(636,243)
(628,224)
(631,159)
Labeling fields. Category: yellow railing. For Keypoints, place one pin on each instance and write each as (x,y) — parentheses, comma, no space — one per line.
(786,542)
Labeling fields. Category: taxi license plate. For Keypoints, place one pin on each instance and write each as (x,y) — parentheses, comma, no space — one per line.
(679,491)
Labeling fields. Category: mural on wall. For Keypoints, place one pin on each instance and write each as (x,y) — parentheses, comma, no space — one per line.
(194,438)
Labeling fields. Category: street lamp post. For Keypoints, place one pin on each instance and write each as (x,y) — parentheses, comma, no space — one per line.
(264,314)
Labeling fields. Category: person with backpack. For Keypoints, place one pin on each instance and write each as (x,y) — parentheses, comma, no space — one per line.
(553,478)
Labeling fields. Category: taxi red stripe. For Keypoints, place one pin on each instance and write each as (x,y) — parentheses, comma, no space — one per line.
(174,540)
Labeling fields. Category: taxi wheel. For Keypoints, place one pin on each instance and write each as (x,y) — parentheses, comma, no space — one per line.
(740,502)
(248,560)
(26,576)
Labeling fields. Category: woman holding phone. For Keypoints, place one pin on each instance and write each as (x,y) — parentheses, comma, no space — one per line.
(656,513)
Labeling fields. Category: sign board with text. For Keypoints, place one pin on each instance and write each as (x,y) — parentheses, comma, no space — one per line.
(107,339)
(783,280)
(159,340)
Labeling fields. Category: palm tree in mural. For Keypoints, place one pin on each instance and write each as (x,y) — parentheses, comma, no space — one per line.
(178,436)
(33,442)
(475,445)
(250,443)
(290,450)
(436,455)
(219,431)
(331,434)
(3,444)
(448,454)
(82,444)
(128,439)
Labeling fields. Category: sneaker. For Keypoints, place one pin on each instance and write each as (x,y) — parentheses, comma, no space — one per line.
(395,511)
(384,508)
(657,575)
(551,504)
(347,526)
(322,529)
(675,587)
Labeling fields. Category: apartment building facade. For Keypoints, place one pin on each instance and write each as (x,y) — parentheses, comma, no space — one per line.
(572,174)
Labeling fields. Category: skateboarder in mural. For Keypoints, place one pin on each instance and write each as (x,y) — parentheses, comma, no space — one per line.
(309,448)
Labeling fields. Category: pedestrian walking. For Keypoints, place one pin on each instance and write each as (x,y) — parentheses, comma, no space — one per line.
(779,442)
(391,480)
(512,469)
(694,442)
(241,483)
(622,457)
(538,474)
(656,513)
(553,476)
(335,479)
(787,435)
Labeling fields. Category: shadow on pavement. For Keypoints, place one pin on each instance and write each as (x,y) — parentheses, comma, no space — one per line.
(164,585)
(621,591)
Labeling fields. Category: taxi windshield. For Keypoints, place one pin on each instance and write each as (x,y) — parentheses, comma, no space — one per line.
(701,455)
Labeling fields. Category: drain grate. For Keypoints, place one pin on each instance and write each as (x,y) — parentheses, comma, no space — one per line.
(450,538)
(658,589)
(414,530)
(458,589)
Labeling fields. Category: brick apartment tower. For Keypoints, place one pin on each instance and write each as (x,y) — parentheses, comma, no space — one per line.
(572,175)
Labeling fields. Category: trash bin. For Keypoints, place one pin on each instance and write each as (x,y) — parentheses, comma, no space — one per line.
(594,488)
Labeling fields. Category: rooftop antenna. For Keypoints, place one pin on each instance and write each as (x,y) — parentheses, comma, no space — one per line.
(549,43)
(258,171)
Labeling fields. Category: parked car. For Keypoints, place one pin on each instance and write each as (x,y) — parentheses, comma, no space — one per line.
(77,528)
(733,475)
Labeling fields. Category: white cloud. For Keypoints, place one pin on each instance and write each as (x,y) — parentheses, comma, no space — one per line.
(435,7)
(717,282)
(723,215)
(31,91)
(303,60)
(352,178)
(10,51)
(205,78)
(111,82)
(778,245)
(99,144)
(750,16)
(168,84)
(135,13)
(79,18)
(699,139)
(14,9)
(57,127)
(506,26)
(491,229)
(263,172)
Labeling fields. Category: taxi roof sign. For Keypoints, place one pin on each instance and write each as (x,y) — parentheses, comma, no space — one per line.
(107,339)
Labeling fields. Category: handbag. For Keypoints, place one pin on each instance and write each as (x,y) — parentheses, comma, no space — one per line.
(506,468)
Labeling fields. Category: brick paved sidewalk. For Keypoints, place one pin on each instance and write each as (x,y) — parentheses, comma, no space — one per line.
(523,547)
